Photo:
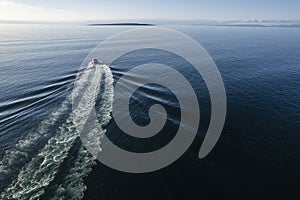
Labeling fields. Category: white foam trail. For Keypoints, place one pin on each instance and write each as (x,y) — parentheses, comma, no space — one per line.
(41,170)
(14,159)
(91,138)
(17,157)
(72,186)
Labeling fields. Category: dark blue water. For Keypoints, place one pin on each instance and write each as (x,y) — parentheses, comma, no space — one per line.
(257,156)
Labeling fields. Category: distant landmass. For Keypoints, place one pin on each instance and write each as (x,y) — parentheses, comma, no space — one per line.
(122,24)
(237,23)
(199,22)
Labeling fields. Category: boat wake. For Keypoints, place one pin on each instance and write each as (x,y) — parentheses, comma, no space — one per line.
(32,174)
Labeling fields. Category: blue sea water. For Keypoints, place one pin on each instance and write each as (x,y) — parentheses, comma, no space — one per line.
(257,156)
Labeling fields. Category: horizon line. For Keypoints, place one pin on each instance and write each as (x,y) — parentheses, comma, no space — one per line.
(8,21)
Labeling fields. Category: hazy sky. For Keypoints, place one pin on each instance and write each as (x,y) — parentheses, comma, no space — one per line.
(74,10)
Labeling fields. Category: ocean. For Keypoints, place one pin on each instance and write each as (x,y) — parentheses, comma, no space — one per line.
(257,155)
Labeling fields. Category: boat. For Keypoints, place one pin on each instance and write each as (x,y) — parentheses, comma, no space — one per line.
(95,61)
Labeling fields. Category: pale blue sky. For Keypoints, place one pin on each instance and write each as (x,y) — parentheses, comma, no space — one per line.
(151,9)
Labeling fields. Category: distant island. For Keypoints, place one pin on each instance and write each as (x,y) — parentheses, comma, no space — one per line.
(122,24)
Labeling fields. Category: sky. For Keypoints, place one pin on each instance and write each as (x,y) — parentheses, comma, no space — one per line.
(87,10)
